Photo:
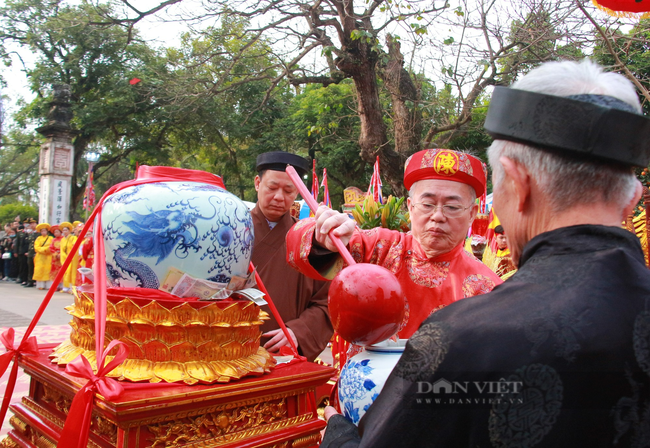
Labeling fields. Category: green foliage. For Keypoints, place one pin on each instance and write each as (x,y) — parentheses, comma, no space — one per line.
(633,51)
(224,115)
(472,137)
(19,153)
(10,211)
(322,123)
(536,40)
(97,61)
(390,215)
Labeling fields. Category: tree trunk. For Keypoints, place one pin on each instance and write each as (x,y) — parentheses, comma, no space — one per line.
(360,64)
(407,118)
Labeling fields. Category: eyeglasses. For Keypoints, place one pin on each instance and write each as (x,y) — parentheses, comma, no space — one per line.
(448,210)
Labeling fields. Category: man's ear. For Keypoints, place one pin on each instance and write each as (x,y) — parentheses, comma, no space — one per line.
(473,213)
(257,183)
(521,181)
(629,208)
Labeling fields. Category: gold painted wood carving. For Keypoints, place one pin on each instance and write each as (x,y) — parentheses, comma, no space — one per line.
(197,410)
(8,442)
(353,196)
(58,422)
(57,399)
(28,433)
(304,442)
(225,426)
(180,344)
(105,428)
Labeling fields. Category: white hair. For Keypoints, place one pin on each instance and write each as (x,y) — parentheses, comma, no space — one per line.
(568,181)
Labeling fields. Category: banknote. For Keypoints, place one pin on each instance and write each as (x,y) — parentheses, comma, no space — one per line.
(189,286)
(250,280)
(88,273)
(220,295)
(253,294)
(171,279)
(204,289)
(236,283)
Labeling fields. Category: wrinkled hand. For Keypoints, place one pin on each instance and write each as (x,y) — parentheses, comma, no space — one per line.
(328,219)
(329,411)
(278,339)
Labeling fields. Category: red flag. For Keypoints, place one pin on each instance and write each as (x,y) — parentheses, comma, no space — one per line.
(315,188)
(375,184)
(134,81)
(326,191)
(89,195)
(489,235)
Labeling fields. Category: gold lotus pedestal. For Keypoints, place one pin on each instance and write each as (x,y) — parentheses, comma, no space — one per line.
(223,388)
(272,410)
(169,340)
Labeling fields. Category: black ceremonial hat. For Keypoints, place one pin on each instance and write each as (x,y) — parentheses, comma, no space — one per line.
(278,161)
(598,127)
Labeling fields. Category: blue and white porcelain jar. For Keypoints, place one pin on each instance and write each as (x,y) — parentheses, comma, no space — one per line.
(186,221)
(364,376)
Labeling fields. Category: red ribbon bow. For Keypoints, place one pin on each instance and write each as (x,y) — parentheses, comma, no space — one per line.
(28,347)
(77,424)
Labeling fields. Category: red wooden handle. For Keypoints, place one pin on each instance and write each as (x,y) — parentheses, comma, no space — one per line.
(313,205)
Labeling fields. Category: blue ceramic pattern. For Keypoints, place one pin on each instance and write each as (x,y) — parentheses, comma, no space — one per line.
(355,385)
(200,229)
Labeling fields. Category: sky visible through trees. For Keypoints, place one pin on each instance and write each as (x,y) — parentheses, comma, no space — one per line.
(340,81)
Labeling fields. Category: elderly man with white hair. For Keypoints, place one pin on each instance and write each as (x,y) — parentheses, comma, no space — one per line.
(429,262)
(558,355)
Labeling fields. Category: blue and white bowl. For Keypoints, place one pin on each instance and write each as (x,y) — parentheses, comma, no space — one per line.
(197,228)
(364,376)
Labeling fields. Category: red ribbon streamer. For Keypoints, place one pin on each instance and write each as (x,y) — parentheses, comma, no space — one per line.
(27,346)
(77,425)
(170,174)
(275,312)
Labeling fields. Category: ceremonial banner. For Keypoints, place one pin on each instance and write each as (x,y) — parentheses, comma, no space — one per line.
(375,184)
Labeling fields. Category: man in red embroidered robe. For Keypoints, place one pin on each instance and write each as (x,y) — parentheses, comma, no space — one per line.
(429,261)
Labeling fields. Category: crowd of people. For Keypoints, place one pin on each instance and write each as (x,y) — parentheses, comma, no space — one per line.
(32,254)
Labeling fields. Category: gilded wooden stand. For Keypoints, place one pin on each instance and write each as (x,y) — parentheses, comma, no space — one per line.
(271,410)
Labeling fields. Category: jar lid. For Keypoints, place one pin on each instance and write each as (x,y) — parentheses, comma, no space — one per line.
(388,346)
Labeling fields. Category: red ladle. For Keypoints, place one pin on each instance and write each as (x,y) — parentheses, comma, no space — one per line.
(365,300)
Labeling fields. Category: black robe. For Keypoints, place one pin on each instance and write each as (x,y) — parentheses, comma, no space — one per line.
(557,356)
(300,300)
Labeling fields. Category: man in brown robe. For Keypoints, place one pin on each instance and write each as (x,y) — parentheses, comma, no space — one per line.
(301,301)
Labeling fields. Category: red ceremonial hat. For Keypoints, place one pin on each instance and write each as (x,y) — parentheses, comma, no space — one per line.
(53,228)
(446,164)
